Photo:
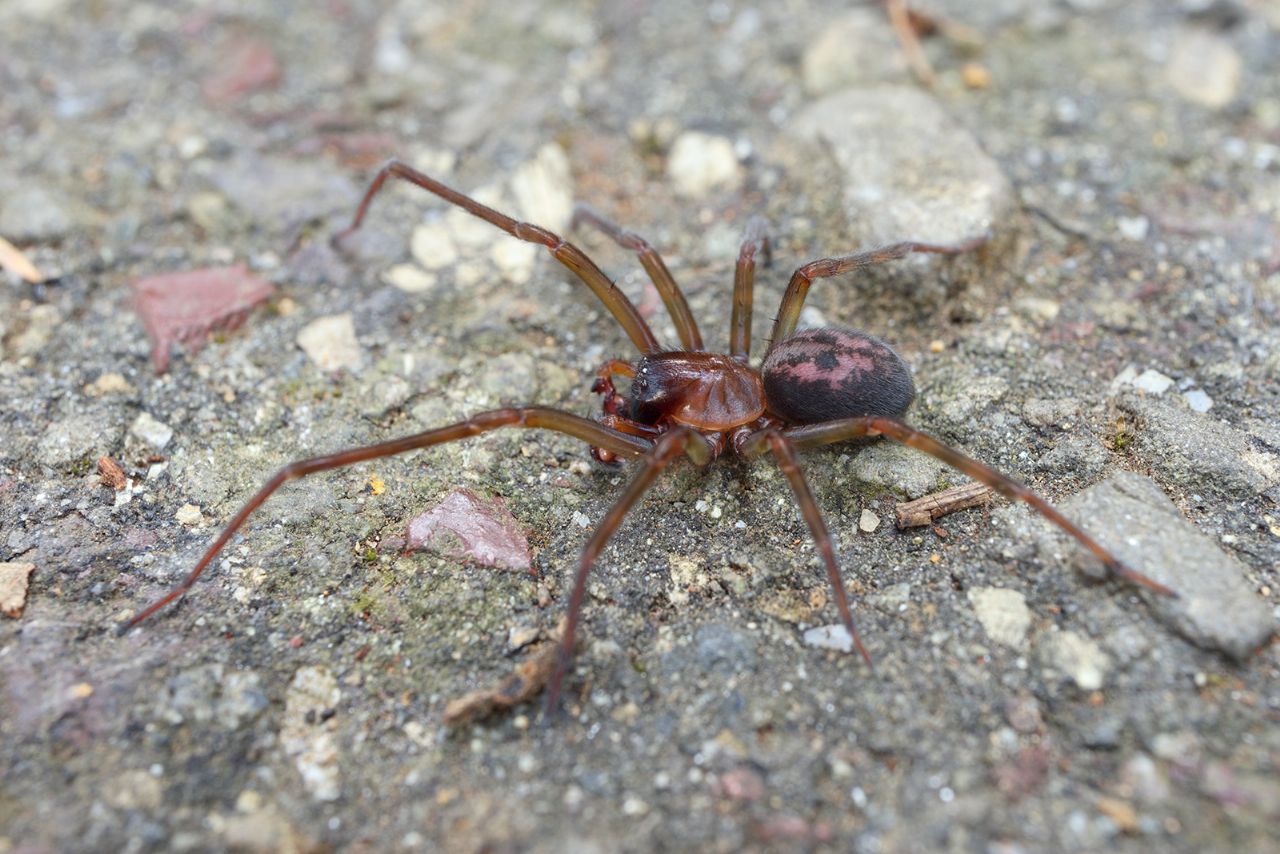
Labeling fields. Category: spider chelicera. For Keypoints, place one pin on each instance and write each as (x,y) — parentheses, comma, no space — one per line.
(814,387)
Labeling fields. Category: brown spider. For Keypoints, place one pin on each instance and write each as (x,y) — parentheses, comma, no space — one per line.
(815,387)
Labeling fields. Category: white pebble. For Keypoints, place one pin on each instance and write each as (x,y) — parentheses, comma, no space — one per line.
(868,521)
(432,245)
(1153,381)
(543,188)
(409,278)
(189,515)
(1198,400)
(330,342)
(1003,613)
(835,637)
(700,163)
(1133,227)
(155,433)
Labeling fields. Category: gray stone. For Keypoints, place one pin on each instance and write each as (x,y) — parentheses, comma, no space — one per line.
(911,171)
(281,194)
(1204,68)
(1077,656)
(829,63)
(897,468)
(34,213)
(1215,607)
(155,433)
(307,734)
(1003,613)
(1082,456)
(330,342)
(722,649)
(1197,451)
(834,637)
(76,438)
(701,164)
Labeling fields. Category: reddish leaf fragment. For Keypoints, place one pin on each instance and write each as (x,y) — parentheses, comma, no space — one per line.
(488,533)
(246,67)
(185,307)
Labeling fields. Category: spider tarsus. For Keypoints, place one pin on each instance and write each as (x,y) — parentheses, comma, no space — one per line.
(1123,570)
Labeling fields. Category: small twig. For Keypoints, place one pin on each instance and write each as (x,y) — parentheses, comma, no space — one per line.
(521,686)
(12,259)
(909,40)
(922,511)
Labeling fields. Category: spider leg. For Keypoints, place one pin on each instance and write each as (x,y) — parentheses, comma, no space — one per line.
(566,253)
(801,279)
(528,417)
(784,452)
(756,239)
(813,435)
(672,297)
(681,440)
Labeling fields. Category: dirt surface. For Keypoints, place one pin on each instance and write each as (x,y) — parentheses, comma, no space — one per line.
(1116,345)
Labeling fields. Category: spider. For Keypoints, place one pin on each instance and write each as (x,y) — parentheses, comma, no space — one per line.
(814,387)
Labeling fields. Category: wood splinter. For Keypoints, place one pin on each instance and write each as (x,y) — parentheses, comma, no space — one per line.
(922,511)
(523,684)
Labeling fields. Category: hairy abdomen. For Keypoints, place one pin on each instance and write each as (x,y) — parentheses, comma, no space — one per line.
(826,374)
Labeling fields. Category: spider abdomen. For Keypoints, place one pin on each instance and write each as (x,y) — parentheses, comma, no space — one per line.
(826,374)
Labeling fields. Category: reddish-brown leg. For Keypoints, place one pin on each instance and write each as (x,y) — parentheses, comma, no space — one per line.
(813,435)
(673,444)
(785,454)
(801,279)
(672,297)
(528,417)
(754,240)
(566,253)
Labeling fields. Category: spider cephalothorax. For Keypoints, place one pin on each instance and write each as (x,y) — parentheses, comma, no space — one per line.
(816,387)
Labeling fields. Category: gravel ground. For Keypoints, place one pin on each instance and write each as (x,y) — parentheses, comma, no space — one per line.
(1116,345)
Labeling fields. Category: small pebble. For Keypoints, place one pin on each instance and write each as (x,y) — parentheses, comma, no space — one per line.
(1198,400)
(1153,382)
(312,694)
(109,383)
(701,163)
(189,515)
(432,245)
(409,278)
(13,587)
(155,433)
(330,343)
(835,637)
(543,189)
(1204,68)
(975,76)
(1080,658)
(1133,227)
(868,521)
(1003,613)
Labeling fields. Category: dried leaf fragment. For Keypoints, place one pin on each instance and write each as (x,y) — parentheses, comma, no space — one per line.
(13,587)
(112,475)
(922,511)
